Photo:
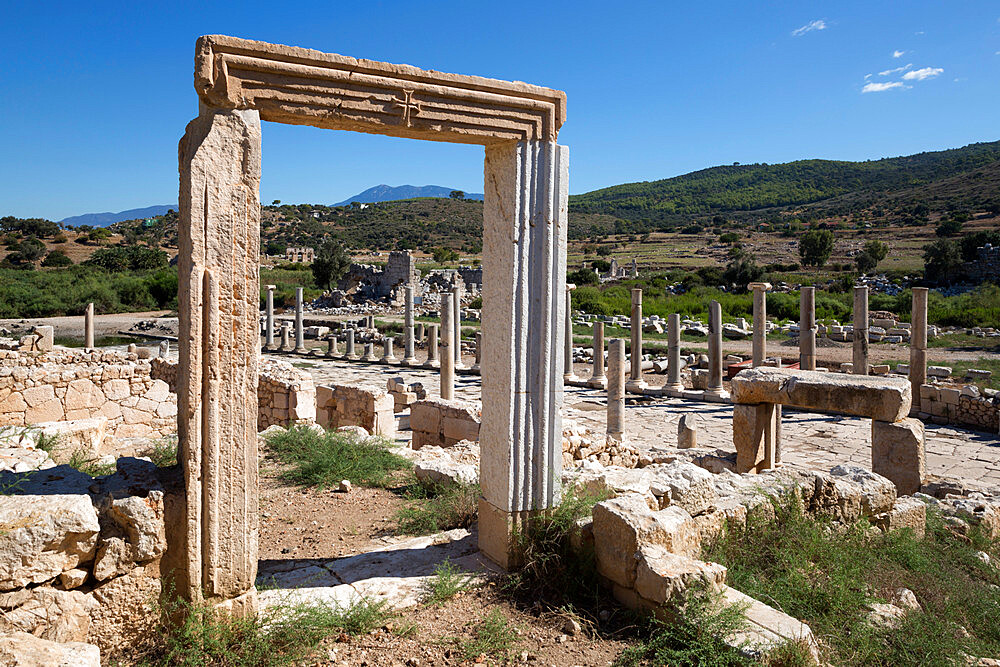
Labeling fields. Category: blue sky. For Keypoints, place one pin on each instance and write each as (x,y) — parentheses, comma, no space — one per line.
(96,95)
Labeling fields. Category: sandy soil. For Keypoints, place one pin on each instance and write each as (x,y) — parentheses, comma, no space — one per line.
(104,325)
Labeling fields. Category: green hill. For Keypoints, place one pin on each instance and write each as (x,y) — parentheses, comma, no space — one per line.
(739,189)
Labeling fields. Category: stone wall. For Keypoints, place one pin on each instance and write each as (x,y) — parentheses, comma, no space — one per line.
(346,405)
(69,385)
(285,394)
(376,283)
(443,423)
(80,556)
(954,405)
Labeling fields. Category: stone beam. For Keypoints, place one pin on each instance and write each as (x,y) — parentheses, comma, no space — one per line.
(288,84)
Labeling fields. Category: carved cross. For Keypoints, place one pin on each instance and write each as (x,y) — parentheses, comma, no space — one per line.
(408,106)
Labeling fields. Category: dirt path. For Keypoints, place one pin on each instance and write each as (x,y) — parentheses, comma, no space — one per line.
(71,326)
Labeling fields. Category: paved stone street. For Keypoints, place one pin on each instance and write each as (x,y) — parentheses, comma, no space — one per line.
(818,440)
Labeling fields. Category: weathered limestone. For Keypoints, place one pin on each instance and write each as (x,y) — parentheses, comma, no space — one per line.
(286,329)
(687,431)
(269,321)
(918,345)
(807,329)
(477,366)
(447,347)
(569,374)
(714,387)
(409,358)
(387,356)
(524,273)
(898,453)
(218,259)
(432,347)
(420,332)
(457,321)
(616,389)
(860,358)
(759,322)
(88,327)
(674,353)
(598,380)
(347,405)
(350,352)
(882,398)
(369,354)
(331,346)
(754,432)
(300,332)
(635,382)
(22,649)
(441,423)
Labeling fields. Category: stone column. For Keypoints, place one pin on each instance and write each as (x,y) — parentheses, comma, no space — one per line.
(616,389)
(387,355)
(524,297)
(300,334)
(715,350)
(331,346)
(219,340)
(569,375)
(598,379)
(759,322)
(635,382)
(350,353)
(409,359)
(861,330)
(674,353)
(420,332)
(432,347)
(88,327)
(457,340)
(918,345)
(447,347)
(369,354)
(807,329)
(479,353)
(269,323)
(286,329)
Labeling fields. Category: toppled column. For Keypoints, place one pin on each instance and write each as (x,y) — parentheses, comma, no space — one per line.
(635,382)
(457,314)
(269,322)
(447,347)
(432,347)
(616,389)
(409,358)
(350,352)
(300,332)
(687,431)
(88,327)
(479,353)
(598,379)
(807,329)
(715,350)
(569,374)
(860,330)
(759,322)
(918,344)
(331,346)
(674,353)
(387,356)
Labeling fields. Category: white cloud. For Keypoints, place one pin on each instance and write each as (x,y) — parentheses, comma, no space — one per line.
(895,70)
(867,76)
(881,86)
(897,53)
(818,24)
(923,73)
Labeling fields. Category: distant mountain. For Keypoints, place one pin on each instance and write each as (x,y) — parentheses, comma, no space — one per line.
(390,193)
(105,219)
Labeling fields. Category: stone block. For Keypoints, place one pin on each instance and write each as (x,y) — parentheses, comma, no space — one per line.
(687,431)
(907,512)
(753,427)
(882,398)
(898,453)
(455,428)
(683,484)
(949,395)
(767,628)
(21,649)
(49,613)
(939,371)
(76,435)
(877,493)
(426,417)
(663,577)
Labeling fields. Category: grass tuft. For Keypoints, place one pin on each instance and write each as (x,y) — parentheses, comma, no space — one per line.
(495,637)
(88,466)
(435,508)
(163,453)
(448,581)
(323,459)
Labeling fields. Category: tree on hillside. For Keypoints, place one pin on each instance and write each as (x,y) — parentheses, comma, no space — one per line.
(942,260)
(742,270)
(457,194)
(815,247)
(442,255)
(949,228)
(331,263)
(874,252)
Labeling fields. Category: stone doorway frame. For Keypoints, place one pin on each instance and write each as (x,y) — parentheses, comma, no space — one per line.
(239,82)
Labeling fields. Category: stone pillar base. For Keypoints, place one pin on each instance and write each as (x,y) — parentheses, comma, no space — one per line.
(301,350)
(636,386)
(753,434)
(408,361)
(673,387)
(598,383)
(498,533)
(570,377)
(898,453)
(432,364)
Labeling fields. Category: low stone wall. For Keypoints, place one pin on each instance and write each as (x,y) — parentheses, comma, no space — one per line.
(340,405)
(443,423)
(285,395)
(80,557)
(69,385)
(954,405)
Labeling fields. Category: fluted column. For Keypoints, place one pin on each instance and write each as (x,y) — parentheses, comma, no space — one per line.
(524,302)
(598,379)
(635,382)
(409,358)
(447,347)
(860,330)
(807,329)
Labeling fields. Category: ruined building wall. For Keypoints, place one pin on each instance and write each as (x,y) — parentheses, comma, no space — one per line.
(400,270)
